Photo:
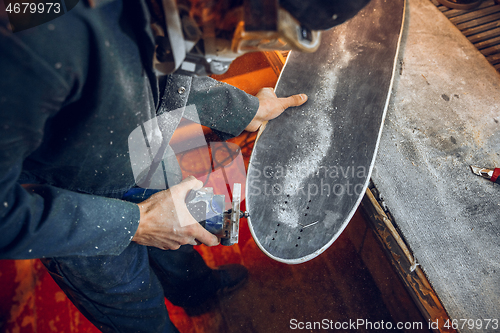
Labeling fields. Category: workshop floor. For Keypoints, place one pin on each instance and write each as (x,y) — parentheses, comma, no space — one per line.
(351,280)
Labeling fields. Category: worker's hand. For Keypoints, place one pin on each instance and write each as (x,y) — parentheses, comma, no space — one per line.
(166,222)
(271,106)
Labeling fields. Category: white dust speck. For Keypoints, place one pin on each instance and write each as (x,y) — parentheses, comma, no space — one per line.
(331,218)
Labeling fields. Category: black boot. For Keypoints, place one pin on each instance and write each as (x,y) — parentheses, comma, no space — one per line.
(223,281)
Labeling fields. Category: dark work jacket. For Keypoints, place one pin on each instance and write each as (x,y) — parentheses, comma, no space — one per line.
(71,92)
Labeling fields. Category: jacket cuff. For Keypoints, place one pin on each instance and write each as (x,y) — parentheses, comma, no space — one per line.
(44,221)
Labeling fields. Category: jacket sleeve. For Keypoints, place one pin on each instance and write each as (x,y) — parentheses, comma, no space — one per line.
(222,107)
(39,220)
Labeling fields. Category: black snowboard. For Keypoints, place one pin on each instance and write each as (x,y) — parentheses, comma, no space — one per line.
(310,167)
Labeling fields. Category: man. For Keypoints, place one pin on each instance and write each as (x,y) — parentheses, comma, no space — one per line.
(71,92)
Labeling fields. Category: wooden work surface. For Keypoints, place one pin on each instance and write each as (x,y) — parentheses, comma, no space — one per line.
(444,115)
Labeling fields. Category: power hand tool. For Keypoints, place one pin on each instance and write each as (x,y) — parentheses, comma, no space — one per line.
(209,210)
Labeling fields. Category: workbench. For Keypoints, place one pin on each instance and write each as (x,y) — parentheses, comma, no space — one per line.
(444,115)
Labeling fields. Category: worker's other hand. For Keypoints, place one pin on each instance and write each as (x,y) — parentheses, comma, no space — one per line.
(270,106)
(166,222)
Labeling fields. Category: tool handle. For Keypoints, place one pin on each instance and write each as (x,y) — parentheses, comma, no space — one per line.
(496,176)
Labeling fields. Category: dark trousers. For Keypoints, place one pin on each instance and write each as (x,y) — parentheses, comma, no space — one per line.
(126,293)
